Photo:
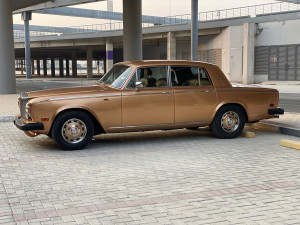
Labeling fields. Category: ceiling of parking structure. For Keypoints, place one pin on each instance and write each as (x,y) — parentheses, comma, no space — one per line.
(291,1)
(20,4)
(32,5)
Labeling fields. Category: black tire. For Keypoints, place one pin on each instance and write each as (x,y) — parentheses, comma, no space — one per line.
(73,130)
(229,122)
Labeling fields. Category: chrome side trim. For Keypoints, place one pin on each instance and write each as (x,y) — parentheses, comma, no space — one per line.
(243,91)
(154,93)
(155,125)
(206,91)
(81,97)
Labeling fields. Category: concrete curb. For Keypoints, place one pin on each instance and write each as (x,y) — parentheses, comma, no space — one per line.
(290,144)
(7,118)
(277,128)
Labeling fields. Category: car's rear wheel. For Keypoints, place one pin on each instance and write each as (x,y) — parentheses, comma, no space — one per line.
(73,130)
(229,122)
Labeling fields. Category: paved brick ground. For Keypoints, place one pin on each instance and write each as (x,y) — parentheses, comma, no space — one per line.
(161,177)
(9,105)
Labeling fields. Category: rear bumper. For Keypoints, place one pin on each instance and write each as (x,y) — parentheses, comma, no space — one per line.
(28,126)
(277,111)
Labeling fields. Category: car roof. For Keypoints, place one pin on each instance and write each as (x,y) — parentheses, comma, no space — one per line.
(165,62)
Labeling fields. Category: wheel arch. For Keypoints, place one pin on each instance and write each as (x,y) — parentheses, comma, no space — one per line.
(98,129)
(240,105)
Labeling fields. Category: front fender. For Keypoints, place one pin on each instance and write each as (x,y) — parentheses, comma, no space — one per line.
(47,112)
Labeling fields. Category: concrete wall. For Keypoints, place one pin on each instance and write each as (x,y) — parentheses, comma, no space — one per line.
(183,47)
(230,40)
(155,52)
(279,33)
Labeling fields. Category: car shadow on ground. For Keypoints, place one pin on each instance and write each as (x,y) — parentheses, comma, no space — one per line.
(126,140)
(149,138)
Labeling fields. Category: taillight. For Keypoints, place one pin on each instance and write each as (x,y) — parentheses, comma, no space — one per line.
(272,105)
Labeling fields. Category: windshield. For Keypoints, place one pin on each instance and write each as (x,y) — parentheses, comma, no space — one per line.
(117,76)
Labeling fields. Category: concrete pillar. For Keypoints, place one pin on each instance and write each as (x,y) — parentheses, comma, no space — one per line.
(38,67)
(132,30)
(109,54)
(104,68)
(61,66)
(171,46)
(26,16)
(45,66)
(74,64)
(7,55)
(248,53)
(98,67)
(32,66)
(52,67)
(67,67)
(89,58)
(22,67)
(194,31)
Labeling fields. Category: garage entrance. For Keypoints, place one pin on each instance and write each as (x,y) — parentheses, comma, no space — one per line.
(279,62)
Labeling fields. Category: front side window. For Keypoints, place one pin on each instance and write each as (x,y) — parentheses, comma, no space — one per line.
(117,76)
(150,77)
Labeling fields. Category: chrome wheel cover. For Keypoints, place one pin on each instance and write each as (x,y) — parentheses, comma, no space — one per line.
(230,121)
(73,131)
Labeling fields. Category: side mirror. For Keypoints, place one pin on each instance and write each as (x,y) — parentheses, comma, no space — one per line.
(138,85)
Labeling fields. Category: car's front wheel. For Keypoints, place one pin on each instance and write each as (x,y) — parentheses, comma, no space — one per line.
(229,122)
(73,130)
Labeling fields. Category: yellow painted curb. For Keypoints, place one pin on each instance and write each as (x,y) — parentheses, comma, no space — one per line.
(248,134)
(265,127)
(290,144)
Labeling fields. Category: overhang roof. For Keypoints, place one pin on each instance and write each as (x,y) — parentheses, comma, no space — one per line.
(20,4)
(31,5)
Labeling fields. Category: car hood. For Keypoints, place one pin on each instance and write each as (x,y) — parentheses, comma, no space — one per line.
(73,92)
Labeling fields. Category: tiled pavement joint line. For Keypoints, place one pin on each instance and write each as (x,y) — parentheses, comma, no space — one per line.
(6,203)
(151,201)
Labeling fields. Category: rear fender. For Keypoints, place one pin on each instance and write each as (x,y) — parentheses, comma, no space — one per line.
(224,103)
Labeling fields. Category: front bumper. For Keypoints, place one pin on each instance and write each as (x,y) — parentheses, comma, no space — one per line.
(277,111)
(28,126)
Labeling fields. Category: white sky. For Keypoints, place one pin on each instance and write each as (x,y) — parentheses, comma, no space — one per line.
(150,7)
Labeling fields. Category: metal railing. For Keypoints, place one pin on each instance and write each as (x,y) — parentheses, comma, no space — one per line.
(247,11)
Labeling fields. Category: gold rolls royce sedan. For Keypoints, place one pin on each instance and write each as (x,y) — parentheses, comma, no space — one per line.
(142,96)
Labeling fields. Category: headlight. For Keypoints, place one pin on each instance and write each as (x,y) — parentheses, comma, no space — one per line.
(28,111)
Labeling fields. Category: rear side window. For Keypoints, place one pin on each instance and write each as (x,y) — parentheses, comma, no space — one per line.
(204,79)
(189,76)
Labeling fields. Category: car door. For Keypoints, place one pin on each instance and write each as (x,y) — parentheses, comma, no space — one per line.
(195,97)
(150,105)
